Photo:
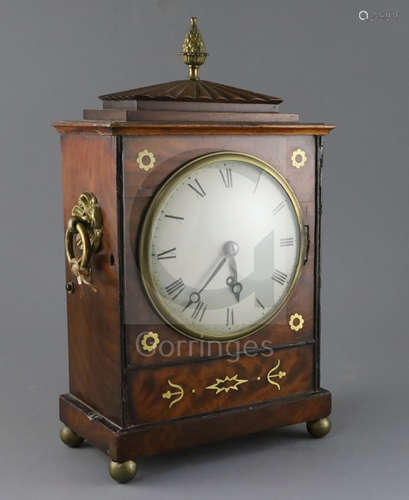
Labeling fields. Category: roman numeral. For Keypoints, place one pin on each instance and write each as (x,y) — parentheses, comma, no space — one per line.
(199,311)
(287,242)
(175,288)
(229,316)
(279,277)
(167,254)
(259,304)
(174,217)
(227,177)
(198,189)
(278,207)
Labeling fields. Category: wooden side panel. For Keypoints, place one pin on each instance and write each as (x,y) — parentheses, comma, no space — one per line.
(89,164)
(190,389)
(140,186)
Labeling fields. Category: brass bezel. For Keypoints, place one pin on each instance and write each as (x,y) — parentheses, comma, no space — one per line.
(146,234)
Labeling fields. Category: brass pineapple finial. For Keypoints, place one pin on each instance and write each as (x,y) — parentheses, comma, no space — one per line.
(193,50)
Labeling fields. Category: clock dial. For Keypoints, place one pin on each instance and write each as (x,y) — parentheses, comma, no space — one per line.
(221,246)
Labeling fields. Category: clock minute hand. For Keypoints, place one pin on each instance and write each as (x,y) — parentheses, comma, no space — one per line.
(195,296)
(210,278)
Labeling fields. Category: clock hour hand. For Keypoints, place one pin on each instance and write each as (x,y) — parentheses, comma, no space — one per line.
(235,287)
(231,249)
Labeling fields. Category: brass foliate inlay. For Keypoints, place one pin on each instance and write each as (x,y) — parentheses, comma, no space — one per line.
(193,50)
(296,322)
(226,384)
(173,396)
(274,374)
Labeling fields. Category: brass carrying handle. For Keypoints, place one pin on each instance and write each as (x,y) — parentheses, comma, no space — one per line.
(74,227)
(84,229)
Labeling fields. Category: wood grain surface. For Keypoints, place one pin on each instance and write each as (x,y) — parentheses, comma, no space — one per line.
(120,398)
(218,384)
(101,127)
(173,435)
(89,164)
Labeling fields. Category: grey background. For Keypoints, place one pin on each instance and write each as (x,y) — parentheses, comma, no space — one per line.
(55,58)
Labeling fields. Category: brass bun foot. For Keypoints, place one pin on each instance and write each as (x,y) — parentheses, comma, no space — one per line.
(122,472)
(70,438)
(319,428)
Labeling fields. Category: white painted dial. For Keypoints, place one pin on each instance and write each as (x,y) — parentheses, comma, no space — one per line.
(221,246)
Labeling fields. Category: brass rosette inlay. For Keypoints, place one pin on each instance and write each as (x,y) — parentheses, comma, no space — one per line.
(150,341)
(296,322)
(145,160)
(298,158)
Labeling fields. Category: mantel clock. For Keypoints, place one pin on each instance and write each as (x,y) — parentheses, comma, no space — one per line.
(192,214)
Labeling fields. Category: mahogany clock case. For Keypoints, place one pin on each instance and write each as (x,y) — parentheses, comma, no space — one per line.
(127,402)
(121,400)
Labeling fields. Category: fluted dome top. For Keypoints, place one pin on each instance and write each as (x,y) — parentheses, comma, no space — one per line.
(192,91)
